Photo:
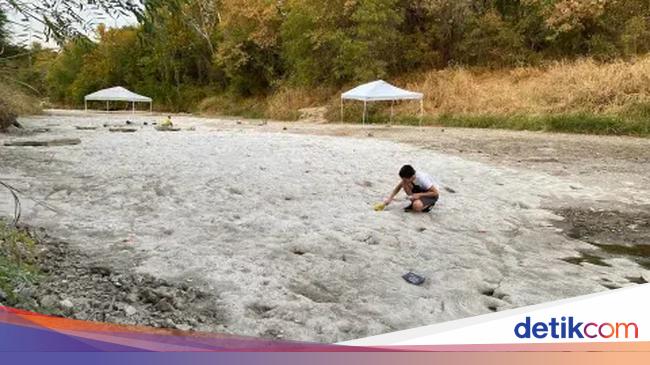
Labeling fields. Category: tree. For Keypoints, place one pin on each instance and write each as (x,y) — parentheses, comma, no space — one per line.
(113,61)
(312,35)
(375,46)
(249,51)
(445,22)
(184,50)
(65,68)
(66,19)
(339,41)
(492,42)
(3,31)
(178,51)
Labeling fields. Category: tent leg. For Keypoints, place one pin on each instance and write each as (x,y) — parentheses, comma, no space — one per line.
(421,111)
(151,107)
(391,111)
(86,105)
(341,110)
(133,104)
(107,106)
(365,106)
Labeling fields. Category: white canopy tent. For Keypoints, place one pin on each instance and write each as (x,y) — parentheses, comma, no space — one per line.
(117,94)
(380,90)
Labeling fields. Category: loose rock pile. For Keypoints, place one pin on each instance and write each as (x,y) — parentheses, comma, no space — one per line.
(73,286)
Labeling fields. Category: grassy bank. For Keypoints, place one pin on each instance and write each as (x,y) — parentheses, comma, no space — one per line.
(566,123)
(582,96)
(579,123)
(18,267)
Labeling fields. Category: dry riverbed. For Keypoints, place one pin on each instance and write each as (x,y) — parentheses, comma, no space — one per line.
(267,228)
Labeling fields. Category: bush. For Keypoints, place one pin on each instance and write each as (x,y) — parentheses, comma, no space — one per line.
(7,116)
(17,261)
(13,103)
(226,104)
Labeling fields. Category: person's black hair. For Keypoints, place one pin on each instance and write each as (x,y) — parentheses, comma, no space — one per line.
(407,171)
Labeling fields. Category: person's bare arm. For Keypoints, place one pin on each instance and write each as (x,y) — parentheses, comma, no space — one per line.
(393,193)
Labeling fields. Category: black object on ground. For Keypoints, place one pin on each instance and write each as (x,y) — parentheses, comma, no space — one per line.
(414,279)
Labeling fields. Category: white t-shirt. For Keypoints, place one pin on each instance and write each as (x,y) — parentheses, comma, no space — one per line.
(425,182)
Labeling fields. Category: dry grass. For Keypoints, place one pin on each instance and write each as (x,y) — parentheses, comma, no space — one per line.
(14,102)
(286,103)
(583,86)
(582,96)
(232,106)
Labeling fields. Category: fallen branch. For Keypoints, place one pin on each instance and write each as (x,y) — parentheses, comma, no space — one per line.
(17,207)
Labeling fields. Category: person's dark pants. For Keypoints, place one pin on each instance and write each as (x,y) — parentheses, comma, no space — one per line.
(428,202)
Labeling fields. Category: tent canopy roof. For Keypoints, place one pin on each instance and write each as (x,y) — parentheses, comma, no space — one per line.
(380,90)
(117,94)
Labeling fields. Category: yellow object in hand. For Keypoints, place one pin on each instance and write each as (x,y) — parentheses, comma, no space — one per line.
(379,207)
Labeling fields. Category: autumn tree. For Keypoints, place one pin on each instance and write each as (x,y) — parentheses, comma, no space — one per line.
(65,68)
(113,61)
(492,41)
(178,51)
(183,50)
(66,19)
(340,41)
(249,51)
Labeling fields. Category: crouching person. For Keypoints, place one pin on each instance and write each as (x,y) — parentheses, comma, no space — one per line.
(422,189)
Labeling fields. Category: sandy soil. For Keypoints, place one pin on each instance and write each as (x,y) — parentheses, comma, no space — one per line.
(274,221)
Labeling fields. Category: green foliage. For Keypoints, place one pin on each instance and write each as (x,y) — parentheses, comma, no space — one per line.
(375,43)
(112,61)
(232,105)
(185,50)
(65,69)
(339,41)
(17,261)
(635,123)
(249,51)
(635,38)
(175,57)
(492,42)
